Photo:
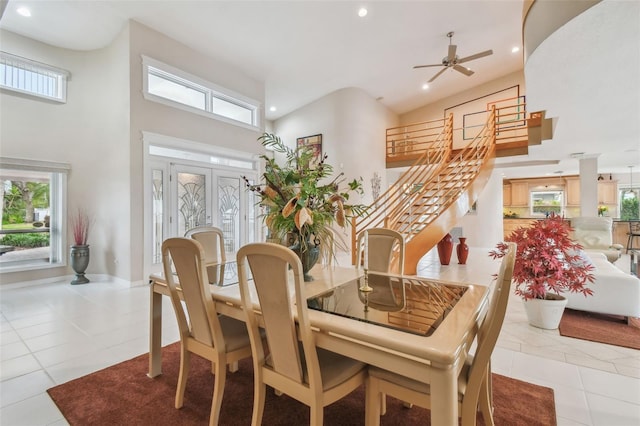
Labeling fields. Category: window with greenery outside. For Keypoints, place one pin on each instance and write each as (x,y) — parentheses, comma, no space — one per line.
(20,201)
(629,206)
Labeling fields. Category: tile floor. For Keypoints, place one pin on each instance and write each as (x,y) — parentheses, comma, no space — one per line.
(53,333)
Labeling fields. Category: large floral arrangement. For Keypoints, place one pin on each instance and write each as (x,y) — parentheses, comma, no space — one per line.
(547,260)
(300,198)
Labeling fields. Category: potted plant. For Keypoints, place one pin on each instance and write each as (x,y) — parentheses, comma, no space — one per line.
(548,263)
(80,224)
(301,202)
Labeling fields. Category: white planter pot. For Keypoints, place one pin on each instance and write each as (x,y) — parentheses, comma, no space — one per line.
(545,313)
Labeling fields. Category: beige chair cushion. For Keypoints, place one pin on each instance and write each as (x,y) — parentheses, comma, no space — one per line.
(420,387)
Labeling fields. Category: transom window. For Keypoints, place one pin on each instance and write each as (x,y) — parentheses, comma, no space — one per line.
(166,84)
(33,78)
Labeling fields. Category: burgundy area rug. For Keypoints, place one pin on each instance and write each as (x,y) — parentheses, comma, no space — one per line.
(124,395)
(610,329)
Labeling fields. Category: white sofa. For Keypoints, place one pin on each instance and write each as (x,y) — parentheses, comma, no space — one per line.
(595,234)
(615,292)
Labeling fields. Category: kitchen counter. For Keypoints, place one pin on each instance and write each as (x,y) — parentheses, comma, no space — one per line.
(620,227)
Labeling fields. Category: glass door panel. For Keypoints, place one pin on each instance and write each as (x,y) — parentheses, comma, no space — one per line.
(192,198)
(157,233)
(229,210)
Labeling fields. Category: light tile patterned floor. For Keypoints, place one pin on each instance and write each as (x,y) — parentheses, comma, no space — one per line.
(53,333)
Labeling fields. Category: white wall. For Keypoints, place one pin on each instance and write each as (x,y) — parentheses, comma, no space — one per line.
(435,110)
(161,119)
(90,132)
(484,227)
(353,126)
(98,131)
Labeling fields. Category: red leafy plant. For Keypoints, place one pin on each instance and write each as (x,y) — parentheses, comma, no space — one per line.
(547,260)
(80,224)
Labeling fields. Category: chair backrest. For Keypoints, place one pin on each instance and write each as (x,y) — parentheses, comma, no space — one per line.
(200,321)
(269,264)
(634,227)
(593,232)
(387,294)
(493,320)
(386,250)
(212,239)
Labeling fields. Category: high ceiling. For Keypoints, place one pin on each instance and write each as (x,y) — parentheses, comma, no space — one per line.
(303,50)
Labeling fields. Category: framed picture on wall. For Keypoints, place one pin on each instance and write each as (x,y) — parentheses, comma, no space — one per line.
(314,142)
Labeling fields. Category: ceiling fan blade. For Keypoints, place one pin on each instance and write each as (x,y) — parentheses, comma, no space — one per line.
(452,53)
(476,56)
(438,74)
(463,70)
(426,66)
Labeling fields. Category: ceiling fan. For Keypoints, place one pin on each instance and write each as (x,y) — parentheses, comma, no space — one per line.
(452,60)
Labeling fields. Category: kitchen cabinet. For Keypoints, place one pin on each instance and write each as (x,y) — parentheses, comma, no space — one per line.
(510,225)
(608,192)
(519,194)
(572,191)
(506,195)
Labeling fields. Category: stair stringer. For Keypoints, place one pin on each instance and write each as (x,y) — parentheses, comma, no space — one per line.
(430,235)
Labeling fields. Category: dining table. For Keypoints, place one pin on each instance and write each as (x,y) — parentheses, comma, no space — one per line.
(418,327)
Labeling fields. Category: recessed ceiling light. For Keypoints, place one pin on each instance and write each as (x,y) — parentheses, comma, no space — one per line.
(425,86)
(515,49)
(272,109)
(362,12)
(23,11)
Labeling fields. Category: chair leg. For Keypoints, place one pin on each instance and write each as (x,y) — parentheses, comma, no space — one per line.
(185,363)
(468,411)
(484,402)
(233,367)
(316,415)
(218,392)
(373,400)
(259,392)
(489,380)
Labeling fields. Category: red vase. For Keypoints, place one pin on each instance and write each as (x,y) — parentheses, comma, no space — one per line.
(445,248)
(462,250)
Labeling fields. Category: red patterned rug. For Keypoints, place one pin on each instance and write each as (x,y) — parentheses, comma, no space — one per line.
(124,395)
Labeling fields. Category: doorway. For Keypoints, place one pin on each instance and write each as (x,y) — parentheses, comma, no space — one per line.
(183,189)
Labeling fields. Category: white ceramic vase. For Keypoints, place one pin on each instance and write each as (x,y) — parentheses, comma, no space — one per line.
(545,313)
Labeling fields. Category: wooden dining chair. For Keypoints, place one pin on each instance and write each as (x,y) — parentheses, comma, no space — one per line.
(218,338)
(385,254)
(385,251)
(212,240)
(291,363)
(474,382)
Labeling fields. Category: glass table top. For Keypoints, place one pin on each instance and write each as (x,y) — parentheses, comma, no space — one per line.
(410,304)
(224,274)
